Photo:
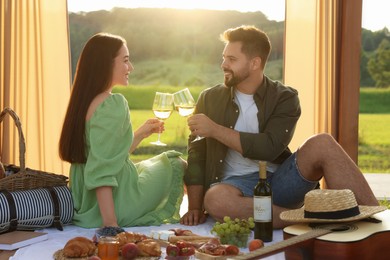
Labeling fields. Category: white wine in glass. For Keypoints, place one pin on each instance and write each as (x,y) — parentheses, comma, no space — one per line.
(162,109)
(186,110)
(185,105)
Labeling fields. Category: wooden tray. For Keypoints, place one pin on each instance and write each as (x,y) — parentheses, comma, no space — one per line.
(58,255)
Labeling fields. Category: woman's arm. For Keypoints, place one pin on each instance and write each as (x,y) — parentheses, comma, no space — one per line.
(106,205)
(149,127)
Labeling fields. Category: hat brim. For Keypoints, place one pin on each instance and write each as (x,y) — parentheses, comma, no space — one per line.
(297,215)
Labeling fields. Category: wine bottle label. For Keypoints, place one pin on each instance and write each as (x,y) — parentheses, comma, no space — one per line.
(262,208)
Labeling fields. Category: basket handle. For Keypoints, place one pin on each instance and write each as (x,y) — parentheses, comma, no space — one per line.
(22,145)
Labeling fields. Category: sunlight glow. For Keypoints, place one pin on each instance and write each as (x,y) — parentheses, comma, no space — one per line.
(273,9)
(374,17)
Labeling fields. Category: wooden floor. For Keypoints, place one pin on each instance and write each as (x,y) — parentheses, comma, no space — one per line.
(380,184)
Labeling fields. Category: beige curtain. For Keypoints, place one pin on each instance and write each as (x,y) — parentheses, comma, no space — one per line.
(35,79)
(322,52)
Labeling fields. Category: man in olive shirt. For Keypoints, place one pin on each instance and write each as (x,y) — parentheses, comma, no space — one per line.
(252,118)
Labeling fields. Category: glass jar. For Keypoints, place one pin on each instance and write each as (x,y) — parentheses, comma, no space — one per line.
(108,248)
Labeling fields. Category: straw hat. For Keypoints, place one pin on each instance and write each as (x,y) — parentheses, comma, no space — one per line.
(322,205)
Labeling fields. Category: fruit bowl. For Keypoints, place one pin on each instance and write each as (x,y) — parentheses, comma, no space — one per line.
(233,232)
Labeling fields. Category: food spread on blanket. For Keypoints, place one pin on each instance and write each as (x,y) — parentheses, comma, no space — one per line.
(128,245)
(178,243)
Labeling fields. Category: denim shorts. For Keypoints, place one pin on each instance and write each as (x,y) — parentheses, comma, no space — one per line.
(288,185)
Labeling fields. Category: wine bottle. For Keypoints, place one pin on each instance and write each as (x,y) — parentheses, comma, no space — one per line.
(262,206)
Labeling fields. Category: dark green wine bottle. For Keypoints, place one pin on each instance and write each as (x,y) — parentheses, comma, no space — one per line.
(262,206)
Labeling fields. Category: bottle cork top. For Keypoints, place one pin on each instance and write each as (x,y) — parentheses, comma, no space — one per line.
(263,169)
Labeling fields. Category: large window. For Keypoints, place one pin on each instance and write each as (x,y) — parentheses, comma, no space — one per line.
(374,116)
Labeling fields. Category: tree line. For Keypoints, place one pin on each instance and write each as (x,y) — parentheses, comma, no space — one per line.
(156,34)
(375,58)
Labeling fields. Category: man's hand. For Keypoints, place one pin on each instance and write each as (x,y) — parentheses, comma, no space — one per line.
(193,217)
(200,124)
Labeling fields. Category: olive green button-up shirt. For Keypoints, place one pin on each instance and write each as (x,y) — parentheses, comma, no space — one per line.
(278,113)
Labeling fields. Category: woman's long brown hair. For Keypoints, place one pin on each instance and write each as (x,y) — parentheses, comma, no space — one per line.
(93,76)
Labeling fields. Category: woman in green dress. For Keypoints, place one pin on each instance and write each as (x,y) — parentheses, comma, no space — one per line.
(97,138)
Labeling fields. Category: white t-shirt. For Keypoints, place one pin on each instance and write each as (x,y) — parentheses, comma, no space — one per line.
(235,164)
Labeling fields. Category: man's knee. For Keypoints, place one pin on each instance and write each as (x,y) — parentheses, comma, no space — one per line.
(325,138)
(319,141)
(313,153)
(216,198)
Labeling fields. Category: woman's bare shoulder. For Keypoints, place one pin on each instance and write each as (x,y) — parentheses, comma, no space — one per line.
(95,103)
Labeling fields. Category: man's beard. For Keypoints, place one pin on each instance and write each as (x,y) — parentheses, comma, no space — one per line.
(235,79)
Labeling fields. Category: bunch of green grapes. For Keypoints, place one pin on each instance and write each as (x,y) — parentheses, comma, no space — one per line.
(233,232)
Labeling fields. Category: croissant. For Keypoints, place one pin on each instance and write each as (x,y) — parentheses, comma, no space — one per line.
(79,247)
(129,237)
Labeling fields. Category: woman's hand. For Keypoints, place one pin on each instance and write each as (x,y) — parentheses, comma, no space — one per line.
(151,126)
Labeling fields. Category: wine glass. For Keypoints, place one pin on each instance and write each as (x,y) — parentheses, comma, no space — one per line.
(162,109)
(184,102)
(185,105)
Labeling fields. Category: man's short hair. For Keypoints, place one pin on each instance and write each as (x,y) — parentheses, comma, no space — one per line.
(255,42)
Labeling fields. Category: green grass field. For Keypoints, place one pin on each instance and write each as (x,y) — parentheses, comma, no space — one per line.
(374,125)
(374,101)
(175,72)
(374,130)
(374,143)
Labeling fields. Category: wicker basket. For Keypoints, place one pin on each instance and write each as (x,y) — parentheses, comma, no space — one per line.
(23,178)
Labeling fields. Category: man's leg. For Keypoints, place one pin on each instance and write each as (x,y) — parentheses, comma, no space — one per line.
(321,156)
(226,200)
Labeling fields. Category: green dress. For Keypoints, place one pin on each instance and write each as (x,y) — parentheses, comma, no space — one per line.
(146,193)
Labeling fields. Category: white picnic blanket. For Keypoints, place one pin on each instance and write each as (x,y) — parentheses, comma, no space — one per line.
(57,239)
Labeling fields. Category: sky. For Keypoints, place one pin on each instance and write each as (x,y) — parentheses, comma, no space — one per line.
(376,14)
